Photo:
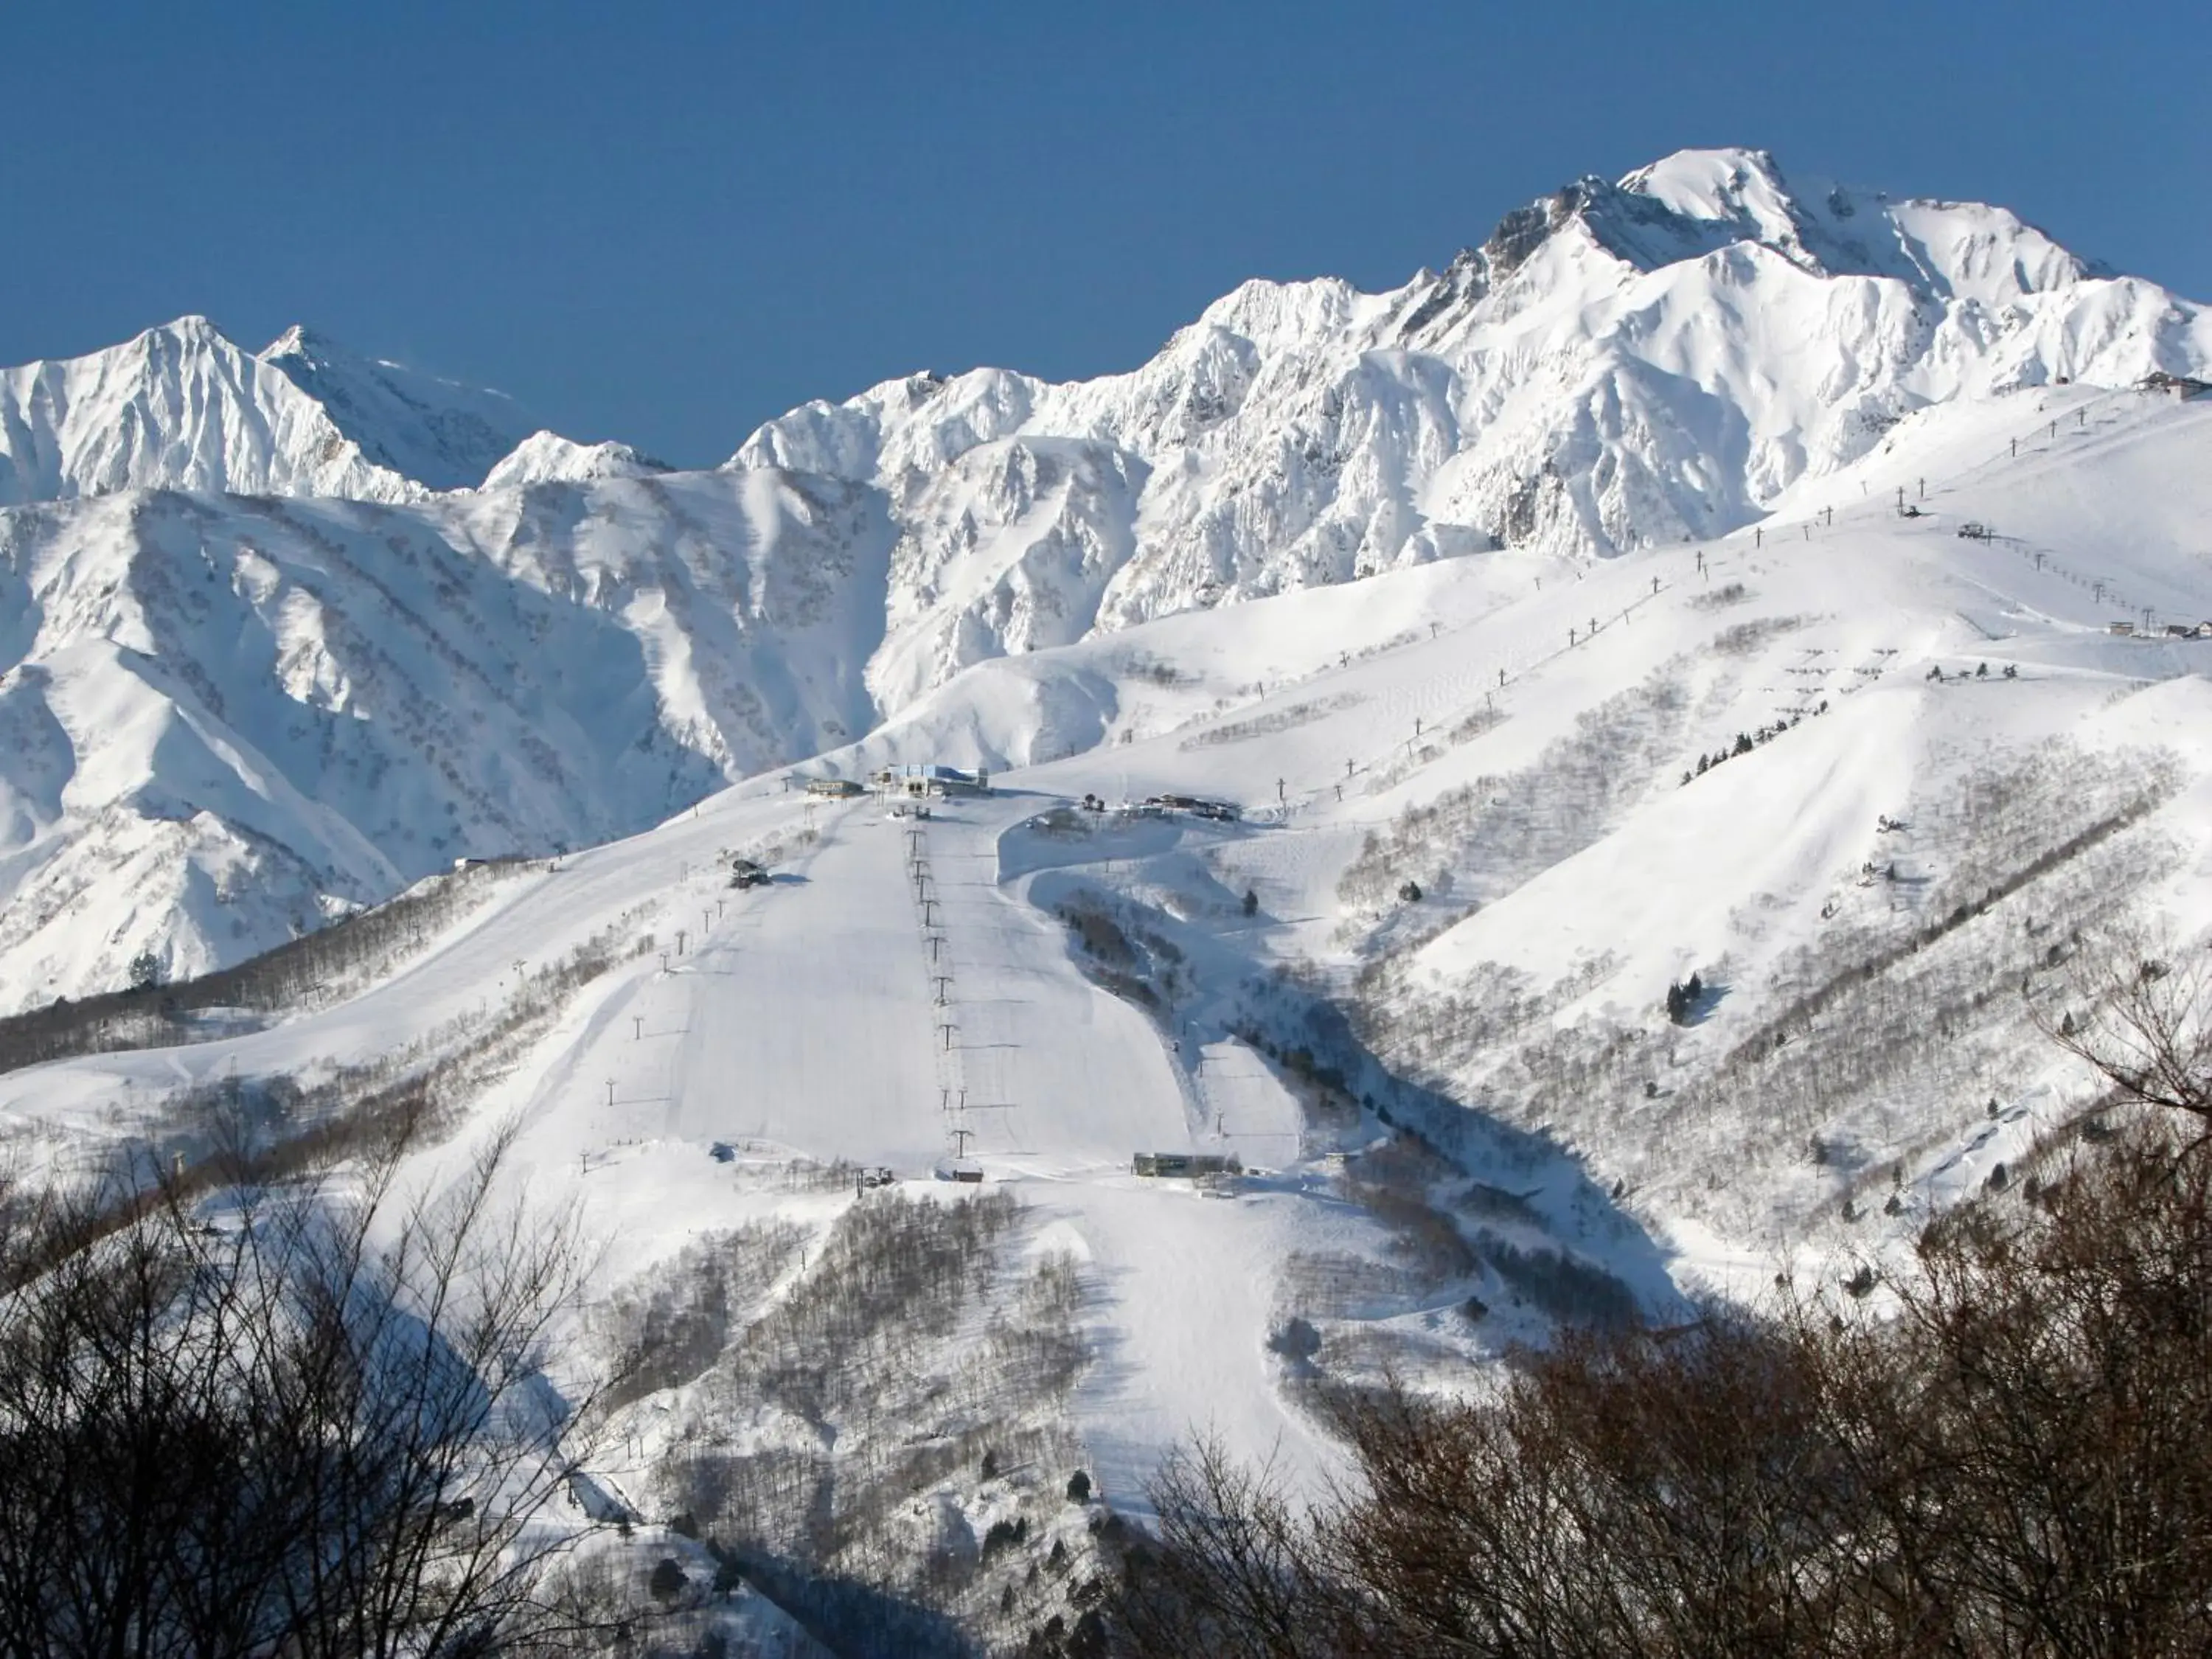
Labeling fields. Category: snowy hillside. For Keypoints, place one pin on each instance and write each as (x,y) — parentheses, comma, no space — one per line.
(180,407)
(229,718)
(1617,366)
(1866,776)
(1877,770)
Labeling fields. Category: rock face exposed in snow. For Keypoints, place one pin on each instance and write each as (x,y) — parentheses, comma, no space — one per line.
(549,458)
(1618,364)
(182,407)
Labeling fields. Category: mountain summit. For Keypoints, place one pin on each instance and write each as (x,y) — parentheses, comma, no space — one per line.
(183,407)
(412,633)
(1618,364)
(436,432)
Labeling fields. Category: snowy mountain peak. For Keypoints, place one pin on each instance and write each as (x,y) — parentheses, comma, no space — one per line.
(437,432)
(178,406)
(297,341)
(548,458)
(181,406)
(1618,364)
(1739,188)
(1695,203)
(1274,315)
(190,326)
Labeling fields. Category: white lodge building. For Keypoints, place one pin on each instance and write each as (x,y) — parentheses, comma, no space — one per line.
(922,779)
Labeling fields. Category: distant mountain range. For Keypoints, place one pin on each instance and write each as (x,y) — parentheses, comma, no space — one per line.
(285,630)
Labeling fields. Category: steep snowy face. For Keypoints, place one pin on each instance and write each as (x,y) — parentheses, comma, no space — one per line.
(757,596)
(223,721)
(1621,363)
(548,458)
(1010,548)
(436,432)
(180,407)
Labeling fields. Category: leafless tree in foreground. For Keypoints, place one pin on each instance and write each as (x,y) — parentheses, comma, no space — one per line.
(2140,1013)
(310,1420)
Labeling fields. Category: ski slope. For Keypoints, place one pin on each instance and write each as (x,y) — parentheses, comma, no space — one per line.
(803,1018)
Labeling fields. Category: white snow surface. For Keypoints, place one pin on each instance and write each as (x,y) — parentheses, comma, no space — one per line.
(436,432)
(231,717)
(182,407)
(813,1017)
(548,458)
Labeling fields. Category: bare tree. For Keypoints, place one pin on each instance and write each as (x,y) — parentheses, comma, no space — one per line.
(1237,1570)
(2141,1013)
(314,1420)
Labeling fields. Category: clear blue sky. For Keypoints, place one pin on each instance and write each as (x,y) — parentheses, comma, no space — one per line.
(667,223)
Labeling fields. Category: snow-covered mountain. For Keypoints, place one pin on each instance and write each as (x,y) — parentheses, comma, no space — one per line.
(280,553)
(437,432)
(1617,365)
(1796,591)
(547,456)
(228,717)
(1880,786)
(182,407)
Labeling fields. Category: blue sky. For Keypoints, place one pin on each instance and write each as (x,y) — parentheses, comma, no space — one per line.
(667,223)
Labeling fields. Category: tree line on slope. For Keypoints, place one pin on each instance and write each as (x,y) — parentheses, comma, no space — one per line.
(1871,1034)
(1489,835)
(878,1440)
(2003,1453)
(306,972)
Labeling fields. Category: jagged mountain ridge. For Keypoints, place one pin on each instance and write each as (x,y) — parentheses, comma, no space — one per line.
(439,433)
(1642,362)
(183,407)
(179,407)
(1620,363)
